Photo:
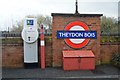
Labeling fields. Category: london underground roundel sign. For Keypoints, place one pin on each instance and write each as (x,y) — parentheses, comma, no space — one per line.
(77,34)
(76,26)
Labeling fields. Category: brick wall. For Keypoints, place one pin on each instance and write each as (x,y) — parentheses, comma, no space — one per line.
(60,21)
(107,51)
(13,57)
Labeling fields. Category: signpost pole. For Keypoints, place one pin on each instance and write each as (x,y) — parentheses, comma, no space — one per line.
(42,43)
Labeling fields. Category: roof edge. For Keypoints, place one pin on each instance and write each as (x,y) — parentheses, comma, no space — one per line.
(71,14)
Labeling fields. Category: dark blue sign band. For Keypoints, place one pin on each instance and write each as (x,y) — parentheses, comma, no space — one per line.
(30,22)
(77,34)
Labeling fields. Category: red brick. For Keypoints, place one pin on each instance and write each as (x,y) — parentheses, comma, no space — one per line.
(58,45)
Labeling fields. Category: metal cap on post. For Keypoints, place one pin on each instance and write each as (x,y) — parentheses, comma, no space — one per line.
(42,43)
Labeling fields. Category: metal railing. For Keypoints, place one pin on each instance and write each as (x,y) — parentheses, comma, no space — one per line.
(10,35)
(19,34)
(11,38)
(5,35)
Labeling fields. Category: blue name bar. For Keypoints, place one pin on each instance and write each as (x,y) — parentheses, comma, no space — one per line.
(77,34)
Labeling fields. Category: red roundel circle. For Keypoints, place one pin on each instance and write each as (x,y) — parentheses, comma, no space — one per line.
(77,26)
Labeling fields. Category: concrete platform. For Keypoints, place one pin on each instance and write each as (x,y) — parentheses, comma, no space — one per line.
(102,72)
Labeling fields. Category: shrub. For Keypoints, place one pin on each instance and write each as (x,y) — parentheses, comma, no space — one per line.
(116,59)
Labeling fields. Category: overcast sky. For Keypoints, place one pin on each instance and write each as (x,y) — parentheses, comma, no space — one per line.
(12,11)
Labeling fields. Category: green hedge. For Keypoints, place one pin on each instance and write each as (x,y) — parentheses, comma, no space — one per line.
(12,41)
(104,39)
(109,39)
(116,59)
